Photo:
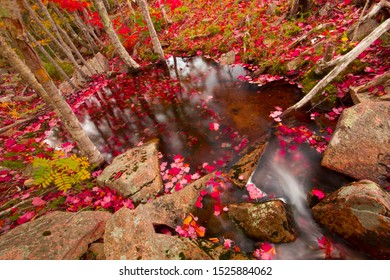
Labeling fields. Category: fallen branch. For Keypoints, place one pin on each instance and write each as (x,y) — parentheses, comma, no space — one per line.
(360,21)
(315,29)
(7,211)
(343,62)
(373,12)
(19,122)
(378,80)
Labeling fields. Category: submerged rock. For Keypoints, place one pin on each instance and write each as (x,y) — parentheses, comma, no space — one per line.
(360,213)
(360,146)
(135,174)
(55,236)
(269,221)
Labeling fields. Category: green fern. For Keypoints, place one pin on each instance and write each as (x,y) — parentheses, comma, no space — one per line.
(62,172)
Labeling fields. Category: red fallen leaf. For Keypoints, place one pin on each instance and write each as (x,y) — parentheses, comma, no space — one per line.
(325,245)
(236,249)
(174,171)
(318,193)
(118,174)
(38,201)
(24,196)
(214,126)
(25,217)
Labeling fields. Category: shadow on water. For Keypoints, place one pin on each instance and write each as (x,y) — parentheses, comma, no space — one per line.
(204,112)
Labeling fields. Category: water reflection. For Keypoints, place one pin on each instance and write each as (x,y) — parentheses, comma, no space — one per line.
(177,105)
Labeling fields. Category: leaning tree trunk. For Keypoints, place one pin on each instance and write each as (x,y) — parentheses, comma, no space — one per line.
(124,55)
(36,75)
(62,47)
(152,31)
(73,33)
(342,63)
(51,60)
(60,33)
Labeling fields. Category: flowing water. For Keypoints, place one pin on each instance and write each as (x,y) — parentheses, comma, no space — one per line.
(204,112)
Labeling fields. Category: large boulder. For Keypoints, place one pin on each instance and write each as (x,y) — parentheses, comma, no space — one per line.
(132,235)
(135,174)
(360,213)
(55,236)
(360,145)
(269,221)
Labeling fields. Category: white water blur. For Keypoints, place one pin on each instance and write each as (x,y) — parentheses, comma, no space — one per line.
(291,176)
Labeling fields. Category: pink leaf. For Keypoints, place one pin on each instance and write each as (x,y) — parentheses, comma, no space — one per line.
(318,193)
(214,126)
(38,201)
(25,217)
(227,243)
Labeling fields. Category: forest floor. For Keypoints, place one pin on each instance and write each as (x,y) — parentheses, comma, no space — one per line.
(264,40)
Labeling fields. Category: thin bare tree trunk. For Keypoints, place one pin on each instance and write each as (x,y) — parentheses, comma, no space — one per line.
(86,32)
(343,62)
(294,9)
(63,47)
(52,61)
(59,31)
(130,6)
(359,21)
(152,31)
(40,81)
(124,55)
(107,5)
(65,21)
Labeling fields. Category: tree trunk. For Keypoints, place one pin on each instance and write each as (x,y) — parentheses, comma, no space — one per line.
(65,21)
(60,33)
(124,55)
(294,9)
(63,48)
(40,81)
(52,61)
(86,32)
(130,6)
(152,31)
(343,62)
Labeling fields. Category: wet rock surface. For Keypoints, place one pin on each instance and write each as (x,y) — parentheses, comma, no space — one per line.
(55,236)
(242,170)
(135,174)
(360,146)
(360,213)
(269,221)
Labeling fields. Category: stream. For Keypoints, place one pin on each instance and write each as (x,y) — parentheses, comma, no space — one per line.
(206,113)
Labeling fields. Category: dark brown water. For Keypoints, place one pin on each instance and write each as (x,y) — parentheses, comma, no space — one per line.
(178,104)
